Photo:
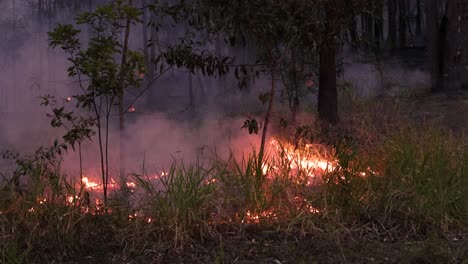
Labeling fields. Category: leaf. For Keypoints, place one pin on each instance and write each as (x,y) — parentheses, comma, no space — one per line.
(251,125)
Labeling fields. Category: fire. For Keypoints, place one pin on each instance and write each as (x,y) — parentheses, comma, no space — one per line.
(306,160)
(41,200)
(131,109)
(72,199)
(131,184)
(68,99)
(256,217)
(210,181)
(89,184)
(309,161)
(132,216)
(99,204)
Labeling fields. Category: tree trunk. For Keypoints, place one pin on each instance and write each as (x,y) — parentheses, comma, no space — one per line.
(378,24)
(152,50)
(418,18)
(368,30)
(261,152)
(352,24)
(402,26)
(392,28)
(144,23)
(433,43)
(123,148)
(452,46)
(328,95)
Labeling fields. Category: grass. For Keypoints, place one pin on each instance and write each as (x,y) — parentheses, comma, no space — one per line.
(396,193)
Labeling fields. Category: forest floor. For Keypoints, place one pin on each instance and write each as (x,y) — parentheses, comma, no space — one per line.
(270,247)
(450,109)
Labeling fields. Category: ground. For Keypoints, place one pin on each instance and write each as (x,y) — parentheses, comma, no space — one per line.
(274,248)
(449,108)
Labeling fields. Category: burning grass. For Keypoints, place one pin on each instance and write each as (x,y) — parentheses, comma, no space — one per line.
(411,183)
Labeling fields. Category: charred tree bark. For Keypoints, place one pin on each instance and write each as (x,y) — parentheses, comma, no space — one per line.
(328,95)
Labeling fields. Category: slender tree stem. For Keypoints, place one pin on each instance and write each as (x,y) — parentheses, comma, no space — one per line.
(261,153)
(123,65)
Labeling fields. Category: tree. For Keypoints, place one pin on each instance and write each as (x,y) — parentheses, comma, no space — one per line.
(328,94)
(280,29)
(101,76)
(432,11)
(419,15)
(392,27)
(105,67)
(402,21)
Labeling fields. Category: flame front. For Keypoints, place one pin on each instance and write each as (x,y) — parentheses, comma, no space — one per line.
(306,160)
(89,184)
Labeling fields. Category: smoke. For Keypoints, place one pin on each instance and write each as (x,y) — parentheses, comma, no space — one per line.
(154,136)
(392,79)
(166,124)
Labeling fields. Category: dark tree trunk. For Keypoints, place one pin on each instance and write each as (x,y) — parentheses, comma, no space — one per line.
(122,136)
(144,23)
(452,46)
(402,26)
(352,24)
(266,121)
(378,24)
(328,95)
(433,43)
(392,27)
(152,50)
(418,18)
(368,30)
(353,32)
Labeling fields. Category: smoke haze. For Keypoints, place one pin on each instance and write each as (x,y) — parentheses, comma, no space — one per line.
(165,125)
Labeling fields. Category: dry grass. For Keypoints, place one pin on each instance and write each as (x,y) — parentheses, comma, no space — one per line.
(413,194)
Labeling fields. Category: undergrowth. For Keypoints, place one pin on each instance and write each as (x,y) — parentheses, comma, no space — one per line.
(391,182)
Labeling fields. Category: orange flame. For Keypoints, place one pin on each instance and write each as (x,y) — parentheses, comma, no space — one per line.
(89,184)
